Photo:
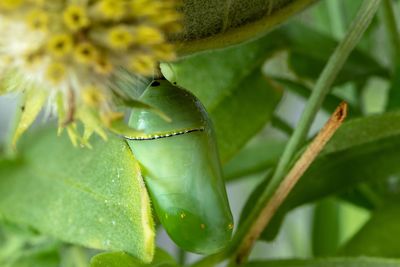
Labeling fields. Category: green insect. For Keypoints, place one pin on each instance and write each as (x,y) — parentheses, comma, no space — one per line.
(181,168)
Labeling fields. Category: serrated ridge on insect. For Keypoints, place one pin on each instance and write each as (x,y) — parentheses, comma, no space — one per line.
(164,135)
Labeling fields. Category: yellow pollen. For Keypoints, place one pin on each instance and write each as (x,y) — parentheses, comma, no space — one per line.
(85,53)
(202,226)
(75,17)
(79,49)
(93,97)
(148,35)
(164,51)
(38,2)
(144,8)
(143,64)
(10,4)
(102,65)
(183,215)
(60,45)
(37,20)
(230,226)
(120,37)
(32,59)
(56,72)
(112,9)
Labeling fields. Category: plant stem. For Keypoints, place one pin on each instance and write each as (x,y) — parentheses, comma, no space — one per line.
(289,181)
(324,82)
(389,19)
(181,257)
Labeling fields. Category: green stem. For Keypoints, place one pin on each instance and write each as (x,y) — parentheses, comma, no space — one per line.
(181,257)
(328,75)
(389,19)
(211,260)
(326,228)
(324,82)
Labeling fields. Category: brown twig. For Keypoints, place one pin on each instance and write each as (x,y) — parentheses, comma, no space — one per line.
(291,179)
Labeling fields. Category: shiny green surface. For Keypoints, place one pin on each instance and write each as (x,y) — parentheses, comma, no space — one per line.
(182,172)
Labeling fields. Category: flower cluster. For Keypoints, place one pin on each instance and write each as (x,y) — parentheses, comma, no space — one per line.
(68,52)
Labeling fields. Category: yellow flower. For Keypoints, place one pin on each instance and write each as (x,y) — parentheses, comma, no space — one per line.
(70,53)
(85,53)
(37,20)
(75,17)
(111,9)
(120,37)
(60,45)
(56,72)
(10,4)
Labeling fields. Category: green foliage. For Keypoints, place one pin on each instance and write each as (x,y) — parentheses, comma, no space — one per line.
(326,228)
(97,199)
(119,259)
(255,157)
(233,91)
(41,258)
(219,23)
(364,149)
(394,94)
(328,262)
(378,237)
(308,62)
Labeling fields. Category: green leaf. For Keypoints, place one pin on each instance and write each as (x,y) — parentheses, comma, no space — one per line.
(328,262)
(330,103)
(93,197)
(242,114)
(254,158)
(220,23)
(308,62)
(394,91)
(379,236)
(76,256)
(121,259)
(20,247)
(38,258)
(211,76)
(326,228)
(34,100)
(215,76)
(364,149)
(230,85)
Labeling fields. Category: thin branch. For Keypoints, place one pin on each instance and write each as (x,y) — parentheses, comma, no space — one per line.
(322,87)
(291,179)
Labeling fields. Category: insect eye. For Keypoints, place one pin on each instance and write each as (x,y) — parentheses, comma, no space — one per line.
(155,83)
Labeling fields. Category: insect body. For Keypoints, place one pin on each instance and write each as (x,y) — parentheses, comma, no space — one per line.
(181,168)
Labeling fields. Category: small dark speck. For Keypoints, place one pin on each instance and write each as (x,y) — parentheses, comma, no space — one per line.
(154,84)
(174,83)
(22,108)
